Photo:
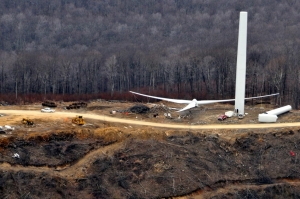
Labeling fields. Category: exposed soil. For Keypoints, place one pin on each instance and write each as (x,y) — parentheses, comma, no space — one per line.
(131,155)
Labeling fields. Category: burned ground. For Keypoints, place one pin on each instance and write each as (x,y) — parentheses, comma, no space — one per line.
(110,160)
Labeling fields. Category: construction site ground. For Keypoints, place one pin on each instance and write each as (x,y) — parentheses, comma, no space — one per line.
(158,154)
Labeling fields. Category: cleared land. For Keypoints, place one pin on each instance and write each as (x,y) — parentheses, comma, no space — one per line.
(127,155)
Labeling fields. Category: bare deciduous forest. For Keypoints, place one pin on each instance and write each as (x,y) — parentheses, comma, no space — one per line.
(184,49)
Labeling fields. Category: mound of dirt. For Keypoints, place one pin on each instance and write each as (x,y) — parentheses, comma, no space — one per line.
(139,108)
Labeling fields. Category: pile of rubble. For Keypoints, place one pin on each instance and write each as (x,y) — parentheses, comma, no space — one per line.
(77,105)
(155,108)
(139,108)
(49,103)
(159,108)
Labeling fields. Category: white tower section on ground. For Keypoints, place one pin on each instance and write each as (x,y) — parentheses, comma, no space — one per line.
(241,66)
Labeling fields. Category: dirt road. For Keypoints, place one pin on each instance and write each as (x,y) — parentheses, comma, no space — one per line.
(106,118)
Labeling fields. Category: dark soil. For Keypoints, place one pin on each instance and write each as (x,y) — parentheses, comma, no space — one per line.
(157,164)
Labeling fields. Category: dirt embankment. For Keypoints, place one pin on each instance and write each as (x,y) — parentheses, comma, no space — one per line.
(151,163)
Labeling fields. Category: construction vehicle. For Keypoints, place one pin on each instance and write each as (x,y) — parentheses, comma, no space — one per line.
(78,120)
(27,121)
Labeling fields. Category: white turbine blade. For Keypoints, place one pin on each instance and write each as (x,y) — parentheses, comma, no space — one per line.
(179,101)
(231,100)
(202,102)
(194,103)
(262,96)
(189,106)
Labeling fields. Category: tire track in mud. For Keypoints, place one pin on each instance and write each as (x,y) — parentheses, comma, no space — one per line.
(207,192)
(70,171)
(145,123)
(78,169)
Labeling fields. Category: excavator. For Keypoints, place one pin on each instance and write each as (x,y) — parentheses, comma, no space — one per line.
(78,120)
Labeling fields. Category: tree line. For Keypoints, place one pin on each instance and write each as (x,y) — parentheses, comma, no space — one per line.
(182,49)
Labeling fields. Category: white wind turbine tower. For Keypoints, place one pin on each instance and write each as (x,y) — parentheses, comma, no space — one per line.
(241,66)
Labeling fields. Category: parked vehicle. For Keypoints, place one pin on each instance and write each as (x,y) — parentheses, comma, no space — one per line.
(47,110)
(222,117)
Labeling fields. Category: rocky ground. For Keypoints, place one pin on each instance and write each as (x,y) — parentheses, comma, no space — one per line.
(101,159)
